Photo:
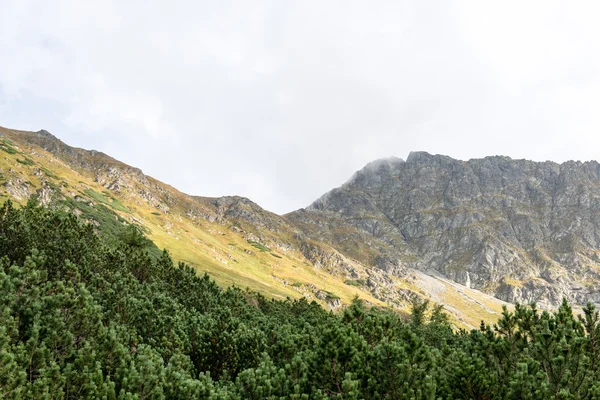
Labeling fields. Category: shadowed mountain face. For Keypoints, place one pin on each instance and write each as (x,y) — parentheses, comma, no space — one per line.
(520,230)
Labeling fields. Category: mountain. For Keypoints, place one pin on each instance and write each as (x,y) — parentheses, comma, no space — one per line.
(520,230)
(346,244)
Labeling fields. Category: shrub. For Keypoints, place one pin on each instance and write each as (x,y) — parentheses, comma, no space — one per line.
(259,246)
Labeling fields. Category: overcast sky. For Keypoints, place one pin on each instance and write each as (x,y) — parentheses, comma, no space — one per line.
(280,101)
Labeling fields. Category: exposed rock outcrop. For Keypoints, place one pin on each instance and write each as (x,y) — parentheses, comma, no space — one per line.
(481,221)
(519,230)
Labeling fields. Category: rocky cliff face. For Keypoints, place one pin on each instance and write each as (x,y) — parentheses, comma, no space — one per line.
(430,227)
(520,230)
(232,238)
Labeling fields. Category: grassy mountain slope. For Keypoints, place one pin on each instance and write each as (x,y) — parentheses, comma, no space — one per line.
(231,238)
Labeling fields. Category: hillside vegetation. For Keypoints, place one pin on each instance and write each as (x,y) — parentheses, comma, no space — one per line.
(231,238)
(82,316)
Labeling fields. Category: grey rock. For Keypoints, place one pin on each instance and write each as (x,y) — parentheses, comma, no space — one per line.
(520,230)
(18,188)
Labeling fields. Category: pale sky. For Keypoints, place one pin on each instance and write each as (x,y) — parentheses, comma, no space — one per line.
(281,101)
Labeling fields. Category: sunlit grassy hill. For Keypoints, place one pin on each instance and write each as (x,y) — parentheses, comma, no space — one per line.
(231,238)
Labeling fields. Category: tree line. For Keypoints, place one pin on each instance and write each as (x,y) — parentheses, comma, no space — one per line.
(86,316)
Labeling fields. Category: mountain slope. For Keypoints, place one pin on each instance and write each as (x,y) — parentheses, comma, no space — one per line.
(193,229)
(519,230)
(321,257)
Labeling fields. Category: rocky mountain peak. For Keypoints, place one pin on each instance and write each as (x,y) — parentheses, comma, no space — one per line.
(46,134)
(374,168)
(316,253)
(423,157)
(388,162)
(519,229)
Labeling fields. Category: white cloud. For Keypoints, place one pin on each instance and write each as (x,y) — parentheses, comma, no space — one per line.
(281,101)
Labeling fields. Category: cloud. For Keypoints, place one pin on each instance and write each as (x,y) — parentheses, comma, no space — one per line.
(281,101)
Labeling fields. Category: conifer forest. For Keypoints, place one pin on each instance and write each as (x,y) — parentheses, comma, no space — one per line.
(87,315)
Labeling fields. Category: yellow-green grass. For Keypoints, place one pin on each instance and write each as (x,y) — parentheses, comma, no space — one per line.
(211,247)
(258,271)
(189,242)
(472,306)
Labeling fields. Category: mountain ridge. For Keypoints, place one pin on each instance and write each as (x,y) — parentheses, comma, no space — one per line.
(213,235)
(329,254)
(429,194)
